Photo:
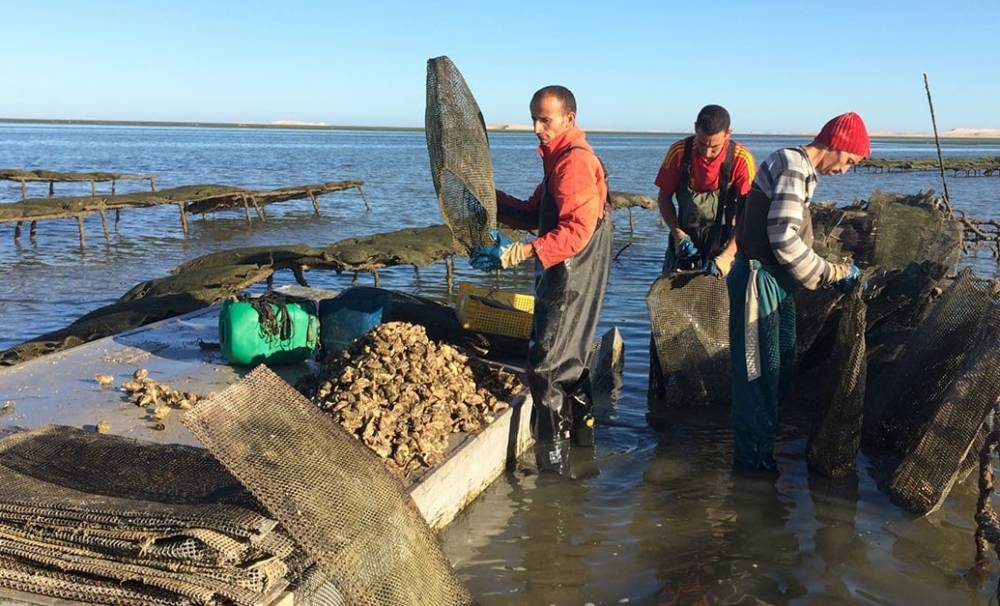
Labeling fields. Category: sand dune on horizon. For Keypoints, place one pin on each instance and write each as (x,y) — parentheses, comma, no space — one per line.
(954,133)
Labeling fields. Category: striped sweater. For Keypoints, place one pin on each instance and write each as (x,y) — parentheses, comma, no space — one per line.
(789,179)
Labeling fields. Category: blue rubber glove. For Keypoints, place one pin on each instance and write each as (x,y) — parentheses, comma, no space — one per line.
(488,257)
(686,250)
(713,269)
(721,265)
(846,285)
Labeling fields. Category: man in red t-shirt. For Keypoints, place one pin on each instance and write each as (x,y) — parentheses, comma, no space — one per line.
(701,228)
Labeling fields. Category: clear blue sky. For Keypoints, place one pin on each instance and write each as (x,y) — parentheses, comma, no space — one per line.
(777,66)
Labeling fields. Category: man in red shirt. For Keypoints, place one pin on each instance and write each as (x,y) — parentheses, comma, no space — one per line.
(708,174)
(570,210)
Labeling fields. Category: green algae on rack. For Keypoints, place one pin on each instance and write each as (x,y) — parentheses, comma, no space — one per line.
(969,167)
(40,175)
(52,177)
(201,199)
(209,279)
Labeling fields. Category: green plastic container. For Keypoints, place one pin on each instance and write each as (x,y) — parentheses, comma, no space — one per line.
(245,342)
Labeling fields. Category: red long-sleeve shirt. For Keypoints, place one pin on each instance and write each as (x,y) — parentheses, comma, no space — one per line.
(576,182)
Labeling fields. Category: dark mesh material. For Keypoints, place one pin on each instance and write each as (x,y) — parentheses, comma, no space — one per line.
(333,495)
(941,391)
(689,318)
(889,230)
(460,155)
(106,519)
(833,446)
(912,229)
(914,385)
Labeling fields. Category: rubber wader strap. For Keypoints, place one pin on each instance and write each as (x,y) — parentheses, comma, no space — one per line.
(685,176)
(724,211)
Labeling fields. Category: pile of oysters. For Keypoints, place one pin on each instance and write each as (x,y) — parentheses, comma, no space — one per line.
(158,399)
(404,395)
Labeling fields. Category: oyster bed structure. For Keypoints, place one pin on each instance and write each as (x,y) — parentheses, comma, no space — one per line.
(404,395)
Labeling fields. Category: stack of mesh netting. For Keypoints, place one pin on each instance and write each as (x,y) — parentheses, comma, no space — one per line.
(334,496)
(915,363)
(460,155)
(109,520)
(105,519)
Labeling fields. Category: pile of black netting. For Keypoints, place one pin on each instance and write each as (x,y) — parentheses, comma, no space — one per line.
(908,367)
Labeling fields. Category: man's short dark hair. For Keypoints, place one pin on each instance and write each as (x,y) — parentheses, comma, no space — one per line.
(559,92)
(712,119)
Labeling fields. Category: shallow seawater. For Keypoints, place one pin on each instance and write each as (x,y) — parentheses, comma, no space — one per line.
(665,519)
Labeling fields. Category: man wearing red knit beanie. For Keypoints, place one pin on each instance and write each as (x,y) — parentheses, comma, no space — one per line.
(775,257)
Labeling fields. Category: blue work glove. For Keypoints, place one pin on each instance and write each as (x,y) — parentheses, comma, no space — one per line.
(720,265)
(846,284)
(713,269)
(488,257)
(686,250)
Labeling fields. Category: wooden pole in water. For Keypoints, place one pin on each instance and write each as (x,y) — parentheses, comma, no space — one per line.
(260,211)
(17,231)
(93,188)
(184,217)
(246,209)
(152,183)
(354,279)
(52,189)
(112,187)
(79,225)
(315,203)
(104,225)
(937,143)
(118,217)
(364,198)
(378,280)
(33,232)
(24,190)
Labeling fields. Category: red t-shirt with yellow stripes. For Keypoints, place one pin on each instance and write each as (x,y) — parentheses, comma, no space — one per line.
(704,172)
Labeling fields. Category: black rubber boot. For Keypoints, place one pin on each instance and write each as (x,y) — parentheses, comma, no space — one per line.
(582,400)
(552,443)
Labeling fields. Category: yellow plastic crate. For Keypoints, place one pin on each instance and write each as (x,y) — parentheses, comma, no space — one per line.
(477,315)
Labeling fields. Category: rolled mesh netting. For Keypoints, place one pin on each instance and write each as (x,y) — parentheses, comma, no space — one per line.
(689,318)
(106,519)
(833,445)
(460,155)
(332,494)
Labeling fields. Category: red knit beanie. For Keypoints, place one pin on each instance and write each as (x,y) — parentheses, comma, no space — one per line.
(846,133)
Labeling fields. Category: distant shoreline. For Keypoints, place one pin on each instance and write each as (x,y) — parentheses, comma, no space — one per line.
(957,133)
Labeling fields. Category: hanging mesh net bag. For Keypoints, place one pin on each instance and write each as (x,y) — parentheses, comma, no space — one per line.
(459,154)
